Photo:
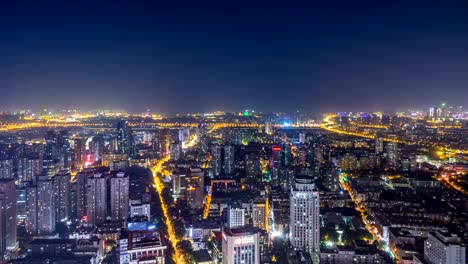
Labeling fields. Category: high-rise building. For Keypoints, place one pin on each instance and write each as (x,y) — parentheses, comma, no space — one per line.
(30,221)
(125,138)
(119,197)
(20,204)
(7,215)
(6,169)
(439,112)
(392,155)
(164,141)
(176,150)
(63,143)
(147,138)
(286,176)
(331,180)
(260,213)
(184,135)
(252,165)
(241,245)
(179,182)
(348,162)
(79,153)
(431,112)
(379,145)
(73,199)
(45,206)
(193,200)
(96,147)
(229,159)
(276,156)
(268,128)
(216,161)
(50,154)
(444,248)
(96,199)
(235,216)
(304,226)
(34,168)
(275,164)
(27,168)
(286,147)
(195,192)
(61,183)
(81,181)
(302,138)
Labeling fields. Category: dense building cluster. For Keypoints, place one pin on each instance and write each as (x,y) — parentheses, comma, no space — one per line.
(235,188)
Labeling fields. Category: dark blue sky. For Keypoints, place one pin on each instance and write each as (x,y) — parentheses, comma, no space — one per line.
(325,55)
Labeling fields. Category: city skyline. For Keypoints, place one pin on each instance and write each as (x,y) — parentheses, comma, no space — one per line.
(147,111)
(208,56)
(228,132)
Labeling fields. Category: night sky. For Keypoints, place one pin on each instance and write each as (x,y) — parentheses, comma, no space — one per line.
(231,55)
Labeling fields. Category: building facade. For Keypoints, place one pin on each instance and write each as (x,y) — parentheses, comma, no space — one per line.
(304,226)
(240,245)
(7,215)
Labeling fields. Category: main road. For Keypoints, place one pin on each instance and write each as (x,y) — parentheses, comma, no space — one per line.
(362,209)
(159,186)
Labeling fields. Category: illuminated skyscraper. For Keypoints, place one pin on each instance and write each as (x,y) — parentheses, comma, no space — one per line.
(304,226)
(28,168)
(164,141)
(392,155)
(229,156)
(96,199)
(252,165)
(268,128)
(260,213)
(276,156)
(31,210)
(194,199)
(96,146)
(439,112)
(61,183)
(216,161)
(302,138)
(195,192)
(119,197)
(179,182)
(176,150)
(286,154)
(184,136)
(81,181)
(63,145)
(6,169)
(379,145)
(235,216)
(7,215)
(125,138)
(431,112)
(241,245)
(444,248)
(52,162)
(45,206)
(79,152)
(275,164)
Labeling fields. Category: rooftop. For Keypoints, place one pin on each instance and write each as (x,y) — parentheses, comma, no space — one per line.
(201,256)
